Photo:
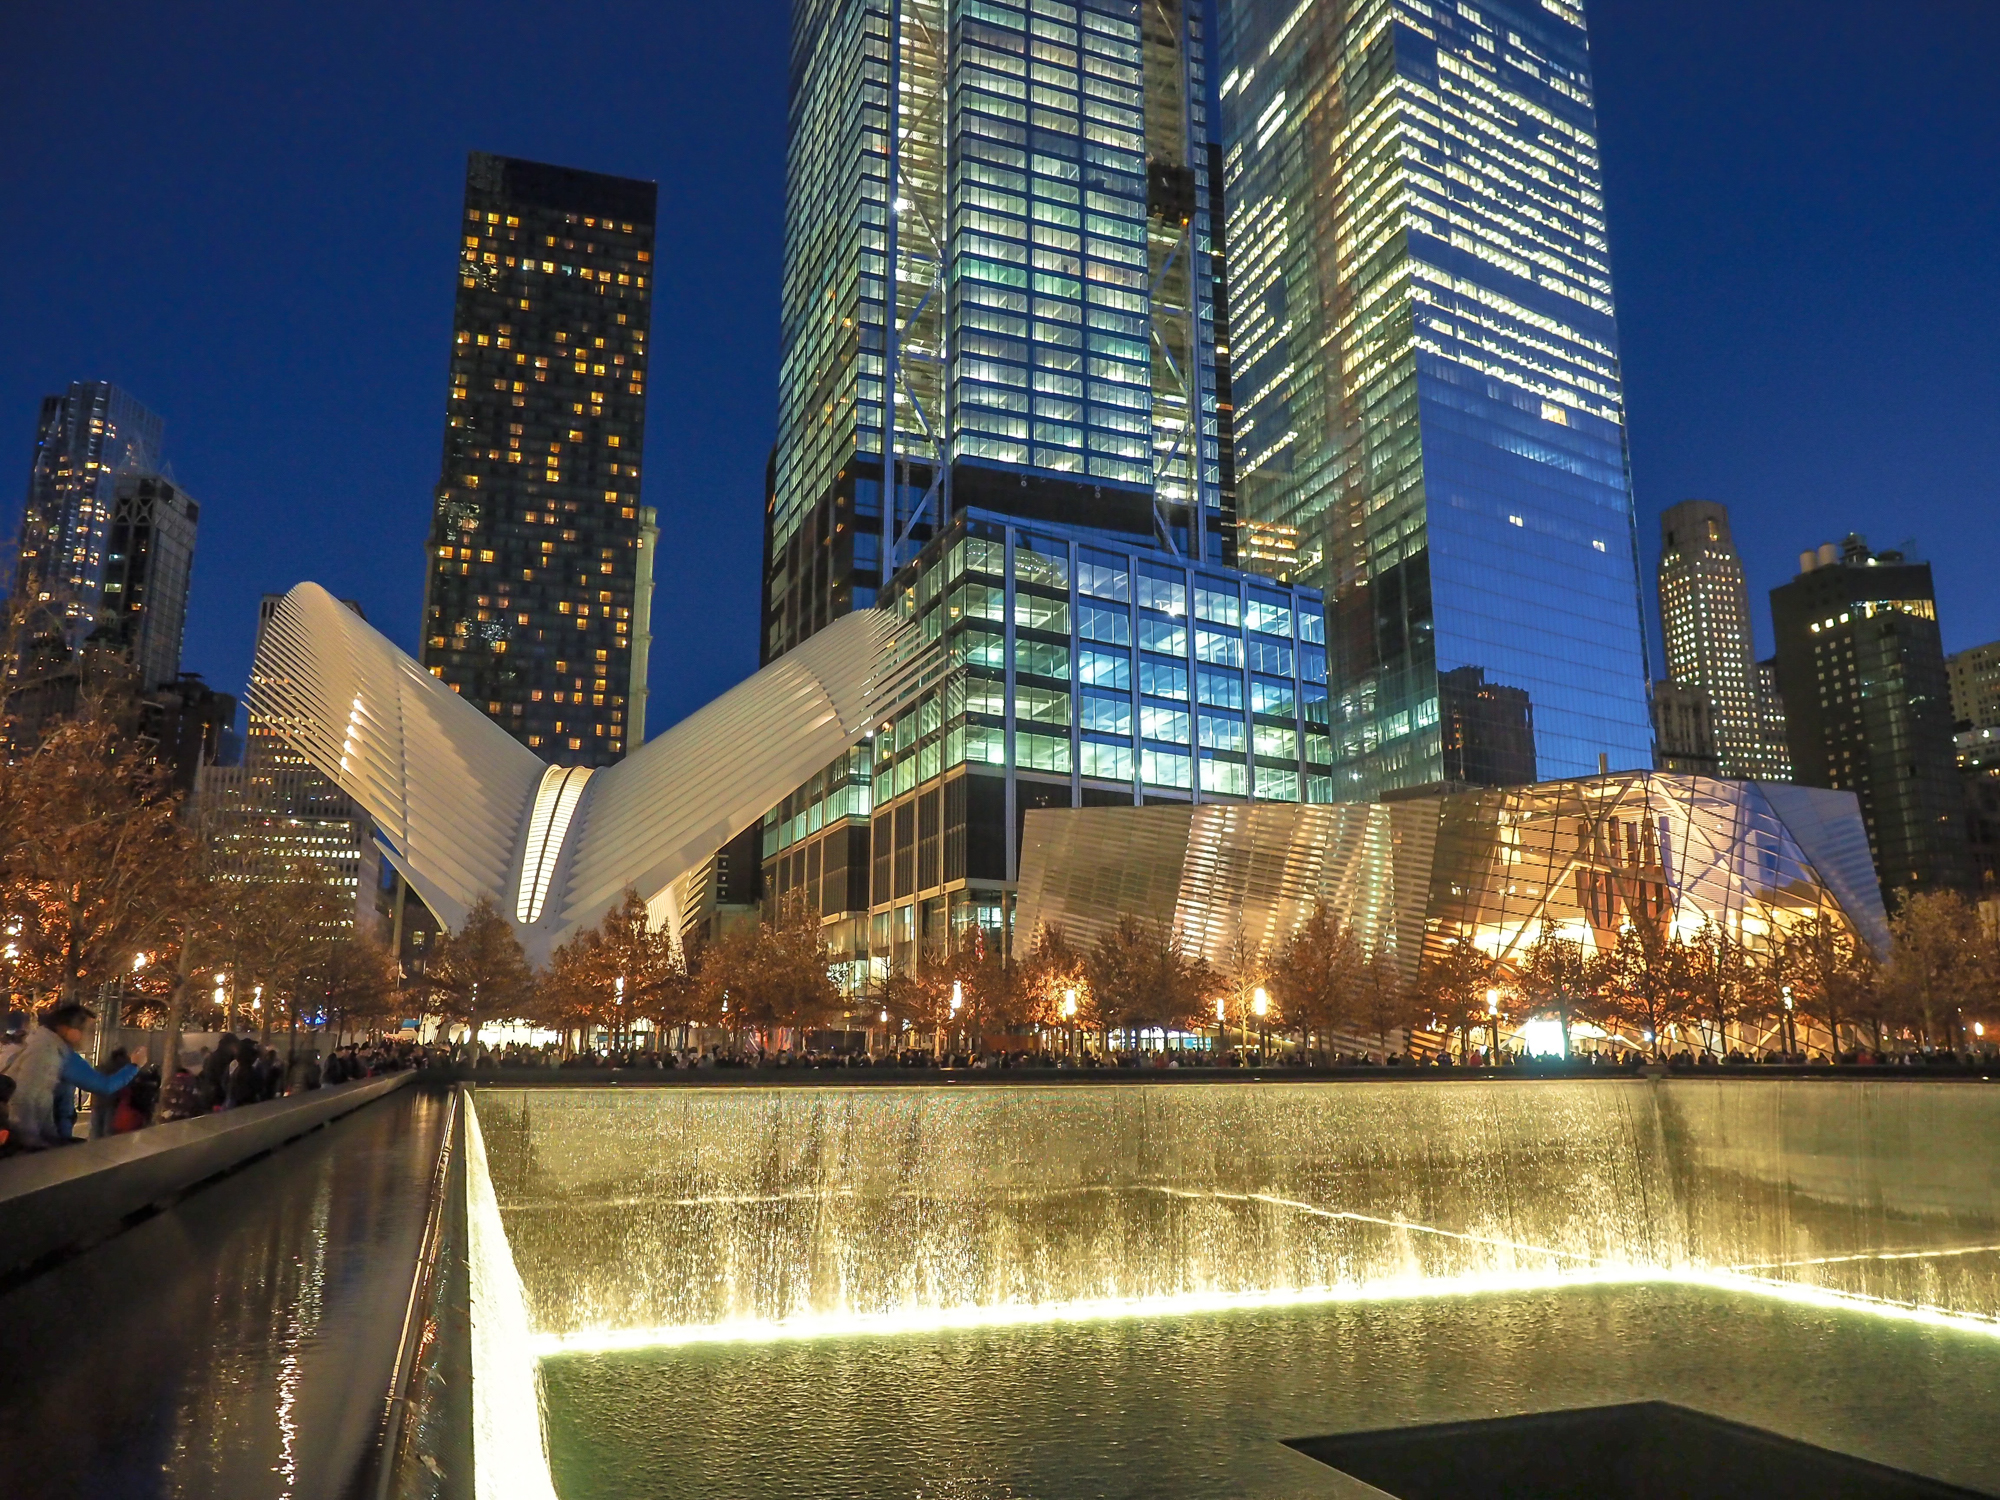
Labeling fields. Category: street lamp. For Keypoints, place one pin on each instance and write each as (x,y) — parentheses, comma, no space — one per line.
(1493,1025)
(619,1001)
(1260,1007)
(1791,1033)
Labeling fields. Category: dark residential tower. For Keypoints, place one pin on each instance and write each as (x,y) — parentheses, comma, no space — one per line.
(1861,670)
(148,562)
(538,589)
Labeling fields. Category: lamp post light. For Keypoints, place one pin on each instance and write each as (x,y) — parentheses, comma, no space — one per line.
(1260,1007)
(1493,1026)
(618,1003)
(1790,1029)
(1069,1016)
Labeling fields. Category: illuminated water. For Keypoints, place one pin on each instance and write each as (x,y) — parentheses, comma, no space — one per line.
(647,1216)
(1193,1407)
(959,1292)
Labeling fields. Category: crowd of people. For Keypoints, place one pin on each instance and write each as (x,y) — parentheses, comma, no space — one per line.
(43,1073)
(1602,1060)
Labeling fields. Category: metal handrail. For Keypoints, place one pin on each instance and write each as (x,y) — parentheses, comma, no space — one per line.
(396,1408)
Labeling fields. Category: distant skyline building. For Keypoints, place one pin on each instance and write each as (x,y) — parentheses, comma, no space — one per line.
(84,438)
(1684,729)
(1868,708)
(148,566)
(1974,674)
(1771,722)
(1033,182)
(1706,626)
(1424,356)
(539,575)
(265,817)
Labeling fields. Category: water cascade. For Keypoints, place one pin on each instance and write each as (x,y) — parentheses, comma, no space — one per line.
(644,1216)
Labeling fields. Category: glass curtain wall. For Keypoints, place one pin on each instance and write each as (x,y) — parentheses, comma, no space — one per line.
(1426,371)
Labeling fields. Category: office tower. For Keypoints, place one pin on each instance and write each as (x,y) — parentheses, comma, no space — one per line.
(1705,622)
(84,440)
(1047,237)
(148,561)
(1048,348)
(1088,670)
(191,726)
(1425,360)
(1684,729)
(1974,675)
(1771,732)
(1868,709)
(538,589)
(275,812)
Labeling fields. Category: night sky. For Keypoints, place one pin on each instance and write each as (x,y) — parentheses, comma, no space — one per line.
(247,215)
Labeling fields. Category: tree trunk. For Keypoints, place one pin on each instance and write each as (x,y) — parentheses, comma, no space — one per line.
(170,1036)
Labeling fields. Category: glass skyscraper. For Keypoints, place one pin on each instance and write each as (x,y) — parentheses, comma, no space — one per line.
(1036,198)
(86,437)
(539,580)
(1428,406)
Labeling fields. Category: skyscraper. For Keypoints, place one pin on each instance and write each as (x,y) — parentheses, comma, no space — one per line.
(1975,686)
(1425,360)
(1705,619)
(538,589)
(1045,353)
(1771,732)
(1044,225)
(1684,729)
(275,812)
(84,439)
(1868,707)
(148,564)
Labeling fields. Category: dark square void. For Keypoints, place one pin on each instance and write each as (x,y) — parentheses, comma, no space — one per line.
(1644,1450)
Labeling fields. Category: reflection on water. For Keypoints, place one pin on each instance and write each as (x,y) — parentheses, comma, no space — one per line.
(670,1213)
(1194,1407)
(235,1345)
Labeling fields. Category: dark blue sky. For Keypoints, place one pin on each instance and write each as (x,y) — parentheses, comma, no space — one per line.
(246,214)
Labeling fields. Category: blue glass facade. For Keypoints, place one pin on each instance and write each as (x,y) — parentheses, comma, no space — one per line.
(1429,408)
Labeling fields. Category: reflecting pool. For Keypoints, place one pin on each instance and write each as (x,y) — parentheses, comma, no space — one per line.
(1195,1406)
(1109,1290)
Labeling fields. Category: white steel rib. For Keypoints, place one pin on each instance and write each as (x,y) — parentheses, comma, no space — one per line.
(465,811)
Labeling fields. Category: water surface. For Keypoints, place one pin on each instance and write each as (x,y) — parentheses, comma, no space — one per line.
(1195,1406)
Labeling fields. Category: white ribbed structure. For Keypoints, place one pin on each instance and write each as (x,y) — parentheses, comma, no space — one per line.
(465,810)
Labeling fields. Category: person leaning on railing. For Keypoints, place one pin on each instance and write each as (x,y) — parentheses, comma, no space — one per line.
(48,1070)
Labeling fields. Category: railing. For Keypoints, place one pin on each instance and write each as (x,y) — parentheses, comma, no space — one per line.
(406,1400)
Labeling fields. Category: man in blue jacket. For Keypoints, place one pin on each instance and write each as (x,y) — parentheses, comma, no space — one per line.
(47,1072)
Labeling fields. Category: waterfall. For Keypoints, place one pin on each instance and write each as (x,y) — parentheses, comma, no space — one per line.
(662,1215)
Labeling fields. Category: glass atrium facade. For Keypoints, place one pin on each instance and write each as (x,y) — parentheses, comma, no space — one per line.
(1086,670)
(1491,866)
(1426,377)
